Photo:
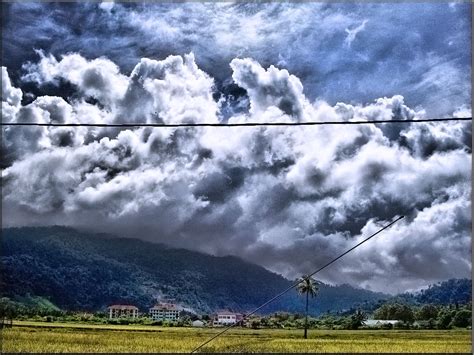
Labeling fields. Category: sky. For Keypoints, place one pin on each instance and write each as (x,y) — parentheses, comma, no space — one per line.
(286,198)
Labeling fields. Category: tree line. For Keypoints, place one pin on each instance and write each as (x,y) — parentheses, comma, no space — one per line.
(429,316)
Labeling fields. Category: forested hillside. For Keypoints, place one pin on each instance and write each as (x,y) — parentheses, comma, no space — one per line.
(447,292)
(76,270)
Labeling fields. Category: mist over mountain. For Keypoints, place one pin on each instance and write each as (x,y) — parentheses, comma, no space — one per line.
(77,270)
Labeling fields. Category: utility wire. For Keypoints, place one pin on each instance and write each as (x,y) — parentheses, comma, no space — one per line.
(296,284)
(243,124)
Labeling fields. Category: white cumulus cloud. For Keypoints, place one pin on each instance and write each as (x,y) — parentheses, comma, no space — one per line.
(288,198)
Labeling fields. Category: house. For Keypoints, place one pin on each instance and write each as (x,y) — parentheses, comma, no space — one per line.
(198,323)
(122,310)
(379,322)
(165,311)
(226,318)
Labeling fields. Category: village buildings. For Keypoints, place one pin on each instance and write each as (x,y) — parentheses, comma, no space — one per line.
(225,318)
(379,322)
(164,311)
(167,311)
(198,323)
(121,310)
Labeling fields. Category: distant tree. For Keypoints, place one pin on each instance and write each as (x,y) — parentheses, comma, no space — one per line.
(101,315)
(427,312)
(444,319)
(328,321)
(255,323)
(405,314)
(8,309)
(282,316)
(431,323)
(264,322)
(381,312)
(307,285)
(358,319)
(462,318)
(397,311)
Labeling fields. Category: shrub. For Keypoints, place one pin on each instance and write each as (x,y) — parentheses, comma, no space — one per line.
(386,326)
(444,319)
(462,318)
(255,324)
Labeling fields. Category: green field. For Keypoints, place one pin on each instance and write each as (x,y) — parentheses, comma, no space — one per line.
(62,337)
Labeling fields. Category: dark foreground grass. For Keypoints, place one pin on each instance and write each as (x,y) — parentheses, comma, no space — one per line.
(44,337)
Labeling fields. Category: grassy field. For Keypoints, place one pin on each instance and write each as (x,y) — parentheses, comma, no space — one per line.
(62,337)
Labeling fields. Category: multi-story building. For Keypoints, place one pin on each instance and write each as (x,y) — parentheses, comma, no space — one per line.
(165,311)
(226,318)
(122,310)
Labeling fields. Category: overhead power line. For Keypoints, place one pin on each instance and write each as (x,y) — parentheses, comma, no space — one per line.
(296,284)
(228,125)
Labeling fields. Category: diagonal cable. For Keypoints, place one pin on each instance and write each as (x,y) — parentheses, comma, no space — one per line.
(296,284)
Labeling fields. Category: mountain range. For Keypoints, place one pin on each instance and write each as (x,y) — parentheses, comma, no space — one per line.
(77,270)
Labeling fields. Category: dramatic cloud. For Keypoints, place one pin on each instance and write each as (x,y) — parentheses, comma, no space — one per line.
(10,96)
(288,198)
(98,78)
(341,51)
(267,88)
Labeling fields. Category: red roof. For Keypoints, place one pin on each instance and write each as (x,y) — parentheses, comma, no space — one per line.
(122,306)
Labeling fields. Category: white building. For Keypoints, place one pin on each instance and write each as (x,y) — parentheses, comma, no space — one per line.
(198,323)
(379,322)
(165,311)
(122,310)
(226,318)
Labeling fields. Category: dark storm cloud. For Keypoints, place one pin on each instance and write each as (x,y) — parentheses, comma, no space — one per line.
(217,186)
(288,198)
(342,52)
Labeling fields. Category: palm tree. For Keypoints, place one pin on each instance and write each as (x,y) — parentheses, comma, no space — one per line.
(307,285)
